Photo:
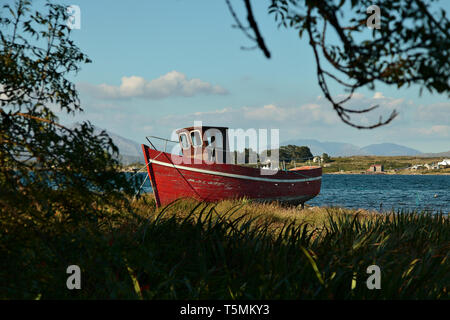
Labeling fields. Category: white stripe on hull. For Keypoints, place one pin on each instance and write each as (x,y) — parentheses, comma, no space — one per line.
(231,175)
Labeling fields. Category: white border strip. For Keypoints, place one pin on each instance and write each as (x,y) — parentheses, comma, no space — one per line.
(231,175)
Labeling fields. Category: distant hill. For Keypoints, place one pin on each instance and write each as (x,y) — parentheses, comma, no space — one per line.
(334,149)
(340,149)
(435,155)
(129,151)
(389,149)
(126,146)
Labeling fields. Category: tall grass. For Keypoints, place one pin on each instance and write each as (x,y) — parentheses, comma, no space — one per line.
(235,250)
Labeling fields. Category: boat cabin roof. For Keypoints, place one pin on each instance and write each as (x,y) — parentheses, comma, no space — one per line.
(201,128)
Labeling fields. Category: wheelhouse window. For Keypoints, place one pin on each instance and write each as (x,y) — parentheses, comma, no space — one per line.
(184,141)
(214,138)
(196,138)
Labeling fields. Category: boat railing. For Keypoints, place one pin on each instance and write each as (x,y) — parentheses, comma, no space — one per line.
(260,161)
(218,149)
(166,141)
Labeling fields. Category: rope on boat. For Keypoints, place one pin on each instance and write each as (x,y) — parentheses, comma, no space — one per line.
(139,190)
(143,167)
(137,172)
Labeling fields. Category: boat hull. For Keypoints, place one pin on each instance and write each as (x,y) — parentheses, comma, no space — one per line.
(172,179)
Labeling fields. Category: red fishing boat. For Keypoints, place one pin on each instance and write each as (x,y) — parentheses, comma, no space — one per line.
(202,171)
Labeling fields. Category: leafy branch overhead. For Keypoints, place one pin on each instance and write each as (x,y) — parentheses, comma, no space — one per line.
(410,46)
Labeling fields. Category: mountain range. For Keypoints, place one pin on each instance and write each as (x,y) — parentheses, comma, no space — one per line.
(445,154)
(340,149)
(130,151)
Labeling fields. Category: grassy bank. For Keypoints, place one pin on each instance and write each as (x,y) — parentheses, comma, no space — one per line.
(231,250)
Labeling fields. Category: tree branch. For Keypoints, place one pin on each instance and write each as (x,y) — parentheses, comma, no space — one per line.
(254,26)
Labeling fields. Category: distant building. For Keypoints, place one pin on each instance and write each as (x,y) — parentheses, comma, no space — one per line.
(444,163)
(376,168)
(317,159)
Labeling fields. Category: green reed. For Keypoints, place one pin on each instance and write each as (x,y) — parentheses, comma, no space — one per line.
(192,250)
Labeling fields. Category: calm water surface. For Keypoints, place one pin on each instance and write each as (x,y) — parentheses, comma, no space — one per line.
(412,192)
(408,192)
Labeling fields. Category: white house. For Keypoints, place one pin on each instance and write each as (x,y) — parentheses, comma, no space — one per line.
(445,162)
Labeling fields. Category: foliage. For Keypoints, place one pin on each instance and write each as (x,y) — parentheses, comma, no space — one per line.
(326,158)
(247,156)
(291,152)
(48,172)
(193,250)
(410,46)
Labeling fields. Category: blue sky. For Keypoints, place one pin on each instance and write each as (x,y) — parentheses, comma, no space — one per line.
(160,65)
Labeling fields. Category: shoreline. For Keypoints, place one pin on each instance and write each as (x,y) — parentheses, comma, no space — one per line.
(390,174)
(353,173)
(311,207)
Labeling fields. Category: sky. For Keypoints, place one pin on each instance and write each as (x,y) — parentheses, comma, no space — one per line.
(161,65)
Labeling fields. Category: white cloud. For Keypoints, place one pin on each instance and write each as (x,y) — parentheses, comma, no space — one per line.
(378,95)
(173,83)
(438,130)
(3,95)
(437,113)
(267,112)
(317,114)
(315,120)
(267,116)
